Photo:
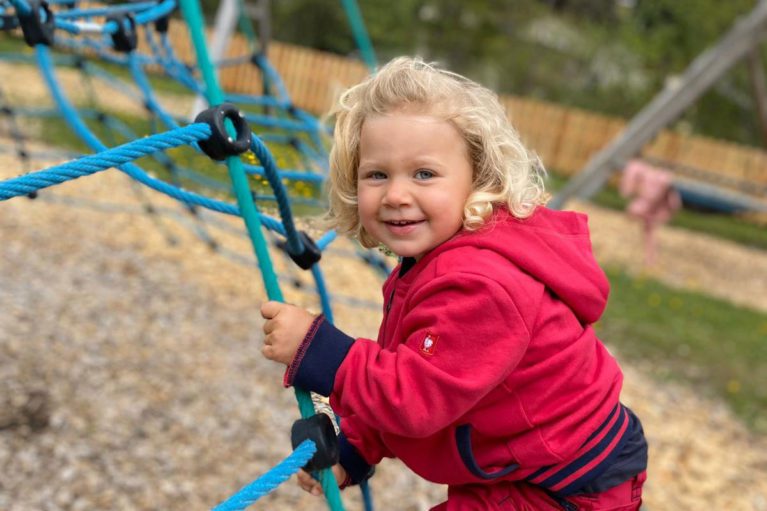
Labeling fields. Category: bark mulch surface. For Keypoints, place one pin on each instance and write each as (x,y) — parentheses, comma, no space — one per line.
(131,378)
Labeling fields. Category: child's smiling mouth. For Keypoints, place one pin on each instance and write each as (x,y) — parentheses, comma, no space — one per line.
(402,222)
(402,227)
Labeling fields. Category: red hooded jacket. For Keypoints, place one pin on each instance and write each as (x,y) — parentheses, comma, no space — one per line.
(487,366)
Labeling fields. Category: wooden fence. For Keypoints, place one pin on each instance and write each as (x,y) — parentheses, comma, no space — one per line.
(565,138)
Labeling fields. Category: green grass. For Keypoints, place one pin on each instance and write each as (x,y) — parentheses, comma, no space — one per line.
(717,348)
(723,226)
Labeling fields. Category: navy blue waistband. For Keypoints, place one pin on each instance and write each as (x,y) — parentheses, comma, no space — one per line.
(594,457)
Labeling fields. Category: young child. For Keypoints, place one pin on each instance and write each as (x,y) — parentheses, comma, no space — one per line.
(487,375)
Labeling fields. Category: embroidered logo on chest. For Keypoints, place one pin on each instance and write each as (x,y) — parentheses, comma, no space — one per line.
(429,343)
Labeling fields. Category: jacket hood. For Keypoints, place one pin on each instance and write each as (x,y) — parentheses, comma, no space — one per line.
(552,246)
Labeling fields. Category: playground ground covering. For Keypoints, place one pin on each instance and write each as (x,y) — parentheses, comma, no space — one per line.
(132,379)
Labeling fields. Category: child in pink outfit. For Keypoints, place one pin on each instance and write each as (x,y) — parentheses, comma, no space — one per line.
(487,375)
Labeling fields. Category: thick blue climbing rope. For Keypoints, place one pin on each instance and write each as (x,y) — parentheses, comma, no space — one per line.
(87,165)
(75,122)
(269,481)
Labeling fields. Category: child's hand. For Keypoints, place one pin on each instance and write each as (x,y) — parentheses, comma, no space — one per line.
(285,328)
(313,486)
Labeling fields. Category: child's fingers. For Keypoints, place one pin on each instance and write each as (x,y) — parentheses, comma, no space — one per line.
(270,309)
(308,483)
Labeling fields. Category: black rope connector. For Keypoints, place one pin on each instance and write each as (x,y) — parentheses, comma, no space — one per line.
(309,257)
(319,429)
(38,27)
(255,58)
(221,144)
(8,21)
(161,24)
(124,39)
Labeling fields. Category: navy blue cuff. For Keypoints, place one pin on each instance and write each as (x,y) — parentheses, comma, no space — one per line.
(357,469)
(324,355)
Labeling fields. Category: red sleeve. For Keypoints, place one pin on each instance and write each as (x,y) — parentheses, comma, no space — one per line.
(462,336)
(366,439)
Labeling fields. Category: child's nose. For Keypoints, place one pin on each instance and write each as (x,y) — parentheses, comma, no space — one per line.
(397,193)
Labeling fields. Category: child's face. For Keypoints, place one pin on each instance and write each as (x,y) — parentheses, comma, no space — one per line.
(413,180)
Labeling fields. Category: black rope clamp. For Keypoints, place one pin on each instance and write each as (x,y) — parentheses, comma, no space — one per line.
(319,429)
(309,257)
(221,144)
(38,27)
(125,38)
(161,24)
(8,21)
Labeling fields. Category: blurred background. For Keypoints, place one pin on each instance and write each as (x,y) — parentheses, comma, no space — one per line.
(129,367)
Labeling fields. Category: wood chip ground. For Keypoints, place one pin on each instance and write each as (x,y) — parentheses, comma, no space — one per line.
(131,379)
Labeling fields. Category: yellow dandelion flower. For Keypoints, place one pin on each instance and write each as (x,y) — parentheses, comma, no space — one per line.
(675,303)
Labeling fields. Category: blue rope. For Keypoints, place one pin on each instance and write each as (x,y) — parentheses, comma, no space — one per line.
(73,119)
(91,164)
(22,7)
(153,14)
(182,72)
(172,67)
(105,11)
(151,102)
(272,77)
(322,290)
(269,481)
(295,245)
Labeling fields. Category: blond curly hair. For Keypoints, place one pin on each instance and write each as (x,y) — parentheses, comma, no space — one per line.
(505,172)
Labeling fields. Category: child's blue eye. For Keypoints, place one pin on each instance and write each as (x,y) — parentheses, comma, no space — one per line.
(374,174)
(424,174)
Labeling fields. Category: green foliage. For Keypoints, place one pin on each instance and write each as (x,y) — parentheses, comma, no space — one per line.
(321,25)
(603,55)
(668,34)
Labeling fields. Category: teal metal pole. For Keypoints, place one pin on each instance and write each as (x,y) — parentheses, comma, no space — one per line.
(215,96)
(360,33)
